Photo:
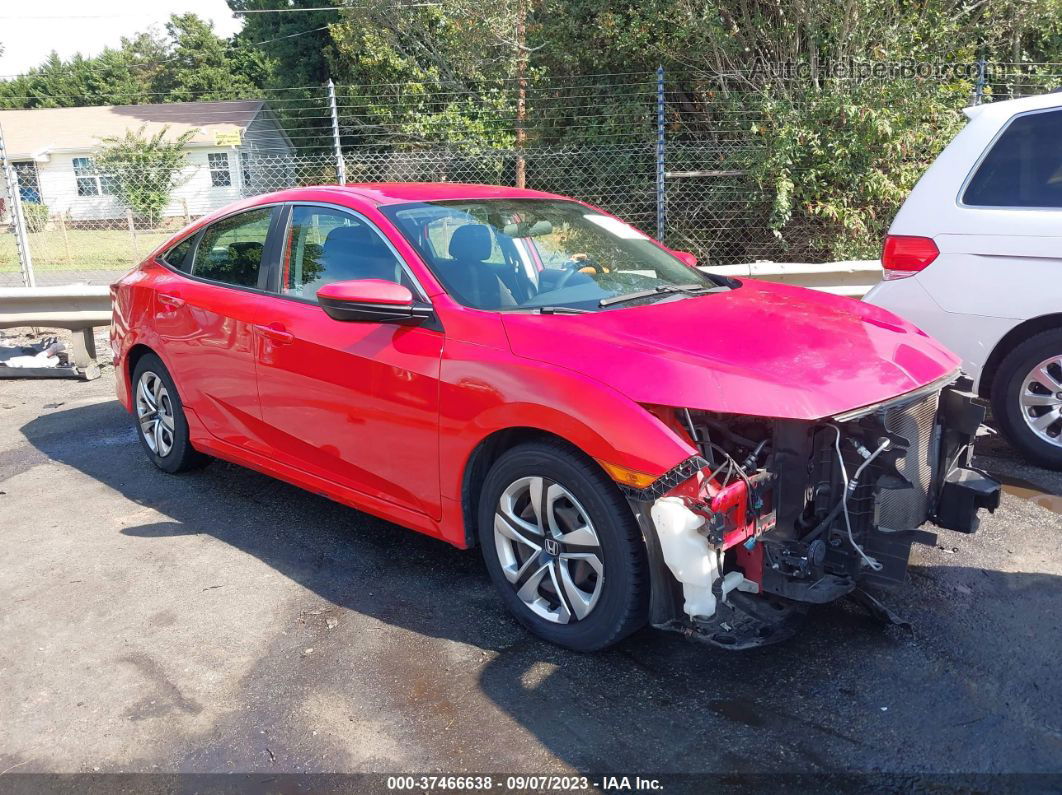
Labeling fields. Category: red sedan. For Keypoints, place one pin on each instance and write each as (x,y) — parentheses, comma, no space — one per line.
(627,438)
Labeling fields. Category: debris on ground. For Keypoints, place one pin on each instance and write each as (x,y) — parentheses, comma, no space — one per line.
(47,352)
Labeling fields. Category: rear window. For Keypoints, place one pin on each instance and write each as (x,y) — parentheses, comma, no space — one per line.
(1024,166)
(177,257)
(231,250)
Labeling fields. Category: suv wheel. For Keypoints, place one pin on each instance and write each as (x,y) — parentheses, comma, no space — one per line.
(563,548)
(161,426)
(1027,398)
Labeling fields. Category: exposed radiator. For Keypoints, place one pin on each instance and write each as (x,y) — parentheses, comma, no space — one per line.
(906,509)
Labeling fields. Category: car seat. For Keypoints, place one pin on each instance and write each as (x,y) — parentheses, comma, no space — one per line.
(468,275)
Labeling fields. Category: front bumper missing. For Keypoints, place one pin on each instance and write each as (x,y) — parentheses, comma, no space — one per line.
(755,604)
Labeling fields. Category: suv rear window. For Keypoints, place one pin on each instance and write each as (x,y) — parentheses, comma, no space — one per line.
(1024,166)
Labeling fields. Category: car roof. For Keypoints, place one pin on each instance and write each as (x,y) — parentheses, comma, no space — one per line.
(403,192)
(1007,108)
(379,193)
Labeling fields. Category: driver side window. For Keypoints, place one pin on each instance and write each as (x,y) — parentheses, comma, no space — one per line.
(326,245)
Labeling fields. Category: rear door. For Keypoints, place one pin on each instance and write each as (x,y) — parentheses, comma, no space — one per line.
(205,319)
(354,402)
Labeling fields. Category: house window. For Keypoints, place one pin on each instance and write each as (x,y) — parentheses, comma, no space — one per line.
(89,182)
(220,177)
(29,187)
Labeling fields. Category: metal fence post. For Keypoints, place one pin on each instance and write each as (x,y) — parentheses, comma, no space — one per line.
(341,166)
(979,88)
(18,220)
(660,188)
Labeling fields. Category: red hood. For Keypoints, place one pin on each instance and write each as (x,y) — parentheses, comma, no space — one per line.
(763,349)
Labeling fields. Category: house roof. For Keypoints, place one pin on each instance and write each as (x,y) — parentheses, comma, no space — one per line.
(30,133)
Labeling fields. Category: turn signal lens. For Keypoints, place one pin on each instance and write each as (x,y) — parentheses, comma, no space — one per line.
(628,477)
(905,255)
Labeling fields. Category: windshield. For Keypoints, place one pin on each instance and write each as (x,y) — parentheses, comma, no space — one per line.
(541,254)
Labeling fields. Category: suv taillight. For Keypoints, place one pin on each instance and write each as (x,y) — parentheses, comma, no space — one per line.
(905,255)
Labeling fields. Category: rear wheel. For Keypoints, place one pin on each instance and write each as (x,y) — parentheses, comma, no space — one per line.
(161,425)
(562,547)
(1027,398)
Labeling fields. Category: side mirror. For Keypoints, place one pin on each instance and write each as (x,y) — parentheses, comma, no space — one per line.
(371,301)
(686,257)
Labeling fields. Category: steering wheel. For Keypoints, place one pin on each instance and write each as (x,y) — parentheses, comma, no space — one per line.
(574,266)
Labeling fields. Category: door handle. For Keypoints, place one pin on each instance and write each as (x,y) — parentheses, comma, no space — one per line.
(174,301)
(276,333)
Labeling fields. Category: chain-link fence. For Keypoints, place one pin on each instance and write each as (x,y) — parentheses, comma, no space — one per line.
(733,167)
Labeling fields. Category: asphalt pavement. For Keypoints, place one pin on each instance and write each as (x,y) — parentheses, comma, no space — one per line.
(223,621)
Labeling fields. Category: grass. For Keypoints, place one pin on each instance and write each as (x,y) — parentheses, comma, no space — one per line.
(80,249)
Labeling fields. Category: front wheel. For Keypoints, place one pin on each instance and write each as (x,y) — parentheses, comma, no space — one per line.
(562,547)
(1027,398)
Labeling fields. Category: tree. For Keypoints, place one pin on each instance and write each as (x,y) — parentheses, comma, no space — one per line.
(202,66)
(294,47)
(190,62)
(429,74)
(142,172)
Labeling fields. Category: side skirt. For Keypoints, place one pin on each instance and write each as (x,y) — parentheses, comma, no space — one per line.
(317,485)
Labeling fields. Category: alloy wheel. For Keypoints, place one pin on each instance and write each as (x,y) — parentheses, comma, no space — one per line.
(154,413)
(1040,400)
(548,549)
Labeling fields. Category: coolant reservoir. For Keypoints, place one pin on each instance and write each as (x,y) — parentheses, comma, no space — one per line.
(687,553)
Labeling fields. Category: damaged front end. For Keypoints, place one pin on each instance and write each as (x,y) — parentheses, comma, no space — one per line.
(777,514)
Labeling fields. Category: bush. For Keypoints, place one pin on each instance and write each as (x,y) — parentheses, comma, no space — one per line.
(36,215)
(143,172)
(838,160)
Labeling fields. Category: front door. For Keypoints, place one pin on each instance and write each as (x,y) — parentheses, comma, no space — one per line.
(356,403)
(206,325)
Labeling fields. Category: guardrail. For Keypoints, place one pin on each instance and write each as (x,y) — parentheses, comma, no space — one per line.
(81,307)
(852,278)
(77,307)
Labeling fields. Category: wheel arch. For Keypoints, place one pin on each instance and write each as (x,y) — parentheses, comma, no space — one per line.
(1009,342)
(133,357)
(482,458)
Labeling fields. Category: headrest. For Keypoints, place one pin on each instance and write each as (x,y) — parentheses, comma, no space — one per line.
(353,238)
(471,242)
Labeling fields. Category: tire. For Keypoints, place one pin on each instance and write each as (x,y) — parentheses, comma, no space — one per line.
(1022,397)
(166,443)
(594,584)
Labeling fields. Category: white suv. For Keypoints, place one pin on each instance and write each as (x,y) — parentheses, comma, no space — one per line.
(974,258)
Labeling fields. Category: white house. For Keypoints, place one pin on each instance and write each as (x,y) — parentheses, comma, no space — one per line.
(52,152)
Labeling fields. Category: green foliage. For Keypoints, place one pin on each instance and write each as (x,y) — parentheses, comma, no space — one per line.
(837,161)
(189,63)
(431,75)
(142,172)
(202,65)
(816,165)
(36,215)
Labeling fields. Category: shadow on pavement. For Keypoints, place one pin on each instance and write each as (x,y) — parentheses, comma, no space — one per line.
(846,694)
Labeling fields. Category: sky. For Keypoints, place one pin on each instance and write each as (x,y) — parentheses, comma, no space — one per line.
(31,30)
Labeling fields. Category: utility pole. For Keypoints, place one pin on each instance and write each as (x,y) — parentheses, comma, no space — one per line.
(18,220)
(521,92)
(341,166)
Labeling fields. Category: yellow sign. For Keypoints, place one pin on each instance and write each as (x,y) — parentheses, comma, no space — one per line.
(227,138)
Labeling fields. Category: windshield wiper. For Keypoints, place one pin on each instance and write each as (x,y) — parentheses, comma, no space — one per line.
(663,289)
(561,310)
